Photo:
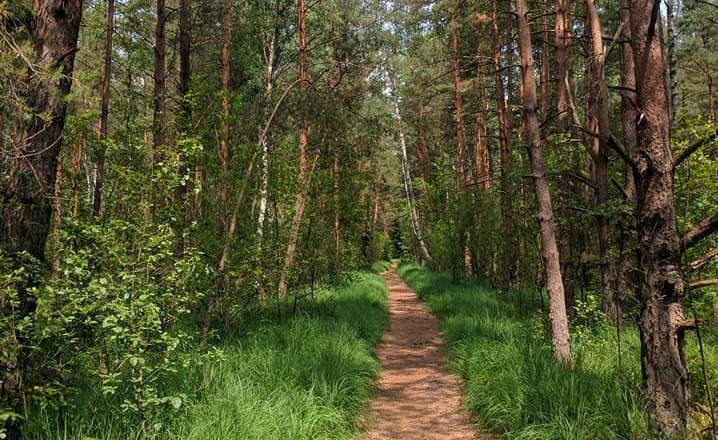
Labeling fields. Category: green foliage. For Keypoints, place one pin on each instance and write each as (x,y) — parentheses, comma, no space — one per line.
(306,376)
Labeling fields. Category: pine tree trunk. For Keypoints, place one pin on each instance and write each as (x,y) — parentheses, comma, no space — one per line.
(160,78)
(104,110)
(28,179)
(303,176)
(547,229)
(660,283)
(460,133)
(508,260)
(563,42)
(597,112)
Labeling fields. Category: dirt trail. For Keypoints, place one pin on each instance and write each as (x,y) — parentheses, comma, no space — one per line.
(418,398)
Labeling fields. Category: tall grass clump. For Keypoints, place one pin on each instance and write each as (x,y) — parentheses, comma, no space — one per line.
(306,373)
(513,384)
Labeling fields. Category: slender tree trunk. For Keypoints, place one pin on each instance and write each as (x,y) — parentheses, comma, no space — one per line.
(660,283)
(160,78)
(460,132)
(597,112)
(28,179)
(508,260)
(629,116)
(104,110)
(547,229)
(264,183)
(424,255)
(224,153)
(563,44)
(337,213)
(185,121)
(303,177)
(672,60)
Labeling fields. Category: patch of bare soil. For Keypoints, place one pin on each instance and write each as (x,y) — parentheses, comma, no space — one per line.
(418,397)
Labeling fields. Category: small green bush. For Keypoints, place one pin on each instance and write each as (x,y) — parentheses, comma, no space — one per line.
(306,376)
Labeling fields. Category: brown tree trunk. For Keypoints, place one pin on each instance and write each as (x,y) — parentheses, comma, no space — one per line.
(226,109)
(563,42)
(28,178)
(547,229)
(185,121)
(160,78)
(629,116)
(104,111)
(303,177)
(672,61)
(460,133)
(508,260)
(660,283)
(597,112)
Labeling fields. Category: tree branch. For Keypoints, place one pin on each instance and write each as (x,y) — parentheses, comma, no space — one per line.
(693,148)
(699,232)
(702,260)
(703,283)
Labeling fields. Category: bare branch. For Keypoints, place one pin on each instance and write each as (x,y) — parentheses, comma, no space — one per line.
(699,232)
(702,260)
(703,283)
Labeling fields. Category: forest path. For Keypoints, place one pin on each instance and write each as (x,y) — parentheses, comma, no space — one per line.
(418,398)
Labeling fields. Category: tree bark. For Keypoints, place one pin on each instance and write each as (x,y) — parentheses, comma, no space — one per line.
(672,60)
(563,42)
(28,177)
(660,284)
(303,177)
(460,134)
(224,153)
(104,110)
(597,112)
(547,229)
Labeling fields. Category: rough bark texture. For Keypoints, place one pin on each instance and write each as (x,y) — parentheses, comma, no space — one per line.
(660,283)
(547,229)
(28,177)
(104,109)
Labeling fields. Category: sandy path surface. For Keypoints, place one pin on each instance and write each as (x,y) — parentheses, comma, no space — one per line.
(418,398)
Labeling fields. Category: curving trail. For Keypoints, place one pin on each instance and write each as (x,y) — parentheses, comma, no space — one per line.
(418,397)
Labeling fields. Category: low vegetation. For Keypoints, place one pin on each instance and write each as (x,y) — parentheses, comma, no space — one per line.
(303,375)
(501,348)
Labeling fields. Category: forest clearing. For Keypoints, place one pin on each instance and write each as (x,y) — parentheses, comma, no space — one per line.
(344,219)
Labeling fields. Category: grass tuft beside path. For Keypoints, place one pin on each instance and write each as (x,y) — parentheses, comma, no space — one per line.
(512,383)
(305,377)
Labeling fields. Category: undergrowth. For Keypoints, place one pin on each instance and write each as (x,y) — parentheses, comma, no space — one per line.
(306,375)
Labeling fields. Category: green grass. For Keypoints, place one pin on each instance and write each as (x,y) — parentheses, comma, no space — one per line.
(512,383)
(304,377)
(380,266)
